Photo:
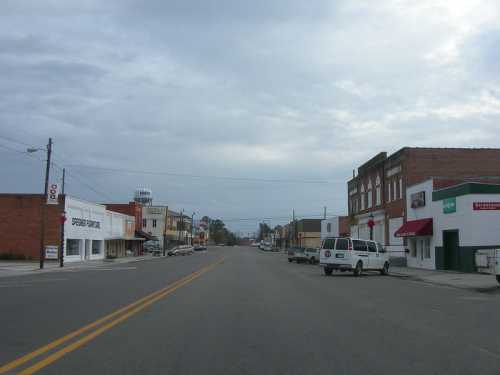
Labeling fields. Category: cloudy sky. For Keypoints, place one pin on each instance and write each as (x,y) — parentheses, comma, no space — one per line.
(284,97)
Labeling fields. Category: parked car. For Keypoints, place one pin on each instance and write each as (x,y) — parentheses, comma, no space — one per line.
(297,254)
(199,248)
(266,246)
(348,254)
(180,251)
(312,255)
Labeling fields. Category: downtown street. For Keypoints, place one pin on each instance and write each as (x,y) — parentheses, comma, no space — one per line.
(238,310)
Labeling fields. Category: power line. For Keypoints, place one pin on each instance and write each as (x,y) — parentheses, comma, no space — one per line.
(165,173)
(15,141)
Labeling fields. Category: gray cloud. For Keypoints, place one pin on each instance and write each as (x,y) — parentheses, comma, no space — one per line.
(269,89)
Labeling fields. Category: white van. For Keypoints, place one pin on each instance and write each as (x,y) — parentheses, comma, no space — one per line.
(344,253)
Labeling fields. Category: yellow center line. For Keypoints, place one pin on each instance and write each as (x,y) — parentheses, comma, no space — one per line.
(133,307)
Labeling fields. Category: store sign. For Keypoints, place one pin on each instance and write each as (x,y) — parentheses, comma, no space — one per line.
(76,221)
(51,252)
(449,205)
(418,199)
(486,206)
(53,194)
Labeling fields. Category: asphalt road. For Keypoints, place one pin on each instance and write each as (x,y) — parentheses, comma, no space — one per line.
(253,313)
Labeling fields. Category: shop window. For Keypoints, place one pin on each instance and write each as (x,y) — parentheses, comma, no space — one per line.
(96,247)
(154,223)
(144,223)
(72,247)
(427,248)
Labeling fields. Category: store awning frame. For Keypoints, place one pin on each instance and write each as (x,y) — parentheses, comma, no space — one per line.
(413,228)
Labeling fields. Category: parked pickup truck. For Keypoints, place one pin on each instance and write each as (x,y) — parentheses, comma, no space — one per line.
(312,255)
(297,254)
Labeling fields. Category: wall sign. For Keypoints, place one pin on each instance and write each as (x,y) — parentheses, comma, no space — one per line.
(418,199)
(53,194)
(51,252)
(76,221)
(486,206)
(449,205)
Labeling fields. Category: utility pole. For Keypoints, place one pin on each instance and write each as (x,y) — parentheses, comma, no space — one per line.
(165,232)
(44,204)
(181,233)
(294,229)
(63,220)
(192,227)
(324,212)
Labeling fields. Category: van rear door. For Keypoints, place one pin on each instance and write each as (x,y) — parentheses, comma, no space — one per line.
(361,250)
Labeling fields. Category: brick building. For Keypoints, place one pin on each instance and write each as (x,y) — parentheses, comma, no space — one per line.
(90,231)
(378,191)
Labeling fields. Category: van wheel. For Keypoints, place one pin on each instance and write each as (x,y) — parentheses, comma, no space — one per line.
(312,260)
(328,271)
(359,269)
(385,271)
(290,260)
(498,278)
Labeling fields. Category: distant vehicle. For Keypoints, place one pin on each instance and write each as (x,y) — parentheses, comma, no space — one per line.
(199,248)
(297,254)
(180,251)
(312,255)
(348,254)
(221,244)
(266,246)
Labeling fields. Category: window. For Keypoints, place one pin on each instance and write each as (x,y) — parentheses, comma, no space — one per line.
(329,227)
(427,248)
(401,188)
(370,194)
(389,191)
(378,192)
(154,223)
(96,247)
(342,244)
(372,247)
(359,245)
(72,247)
(144,223)
(381,248)
(362,197)
(329,244)
(394,191)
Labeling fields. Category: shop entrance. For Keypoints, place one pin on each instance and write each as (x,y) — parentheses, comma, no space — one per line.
(451,248)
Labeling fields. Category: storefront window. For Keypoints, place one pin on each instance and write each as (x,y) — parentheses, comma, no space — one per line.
(427,248)
(72,247)
(96,247)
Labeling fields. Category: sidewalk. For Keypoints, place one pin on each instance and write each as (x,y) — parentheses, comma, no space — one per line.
(30,267)
(472,281)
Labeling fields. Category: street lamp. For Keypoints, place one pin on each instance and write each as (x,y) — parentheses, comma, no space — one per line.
(44,199)
(192,227)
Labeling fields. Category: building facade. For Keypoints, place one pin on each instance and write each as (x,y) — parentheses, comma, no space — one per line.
(337,226)
(308,233)
(377,194)
(445,227)
(88,228)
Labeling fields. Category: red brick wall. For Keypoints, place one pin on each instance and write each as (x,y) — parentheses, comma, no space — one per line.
(20,224)
(131,208)
(344,228)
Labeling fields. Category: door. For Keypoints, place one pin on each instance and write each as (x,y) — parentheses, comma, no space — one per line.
(451,250)
(373,256)
(361,250)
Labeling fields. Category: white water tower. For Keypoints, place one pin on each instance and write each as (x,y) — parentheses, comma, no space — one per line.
(143,196)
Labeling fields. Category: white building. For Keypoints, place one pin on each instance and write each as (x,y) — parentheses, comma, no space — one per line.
(154,221)
(92,232)
(445,227)
(337,226)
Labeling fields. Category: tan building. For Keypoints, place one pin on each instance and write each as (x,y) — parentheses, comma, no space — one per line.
(308,233)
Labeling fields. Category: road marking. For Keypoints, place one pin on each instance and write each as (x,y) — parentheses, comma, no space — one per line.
(129,310)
